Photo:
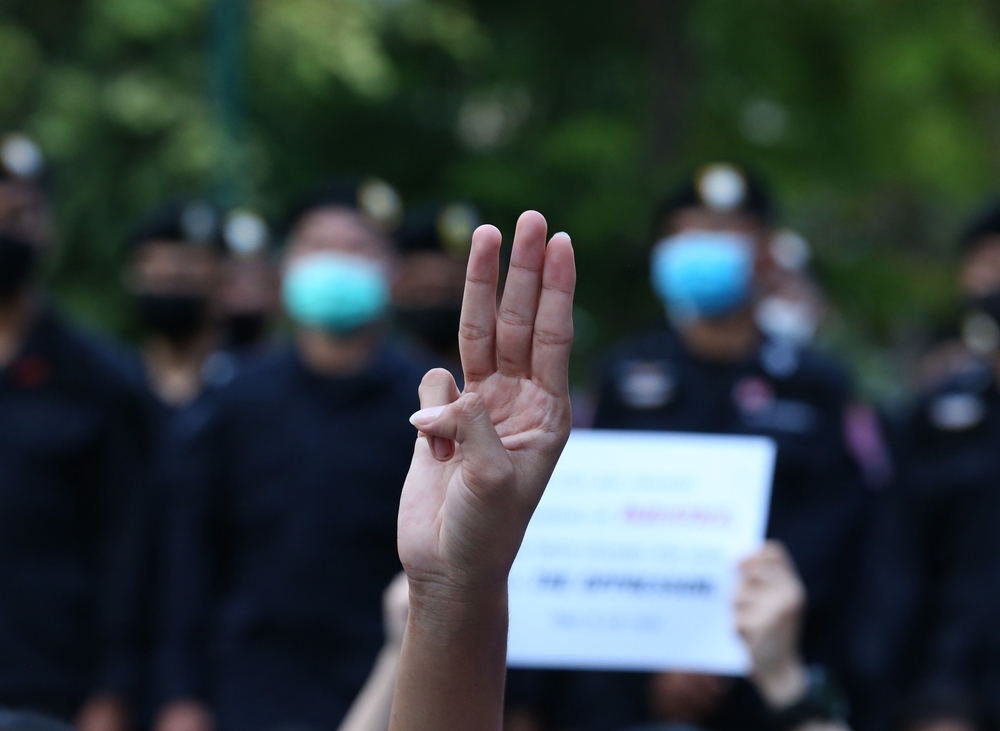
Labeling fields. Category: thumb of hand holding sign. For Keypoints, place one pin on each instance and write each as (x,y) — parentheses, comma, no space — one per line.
(479,468)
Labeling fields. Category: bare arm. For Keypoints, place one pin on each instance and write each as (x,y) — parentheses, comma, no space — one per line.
(479,467)
(370,710)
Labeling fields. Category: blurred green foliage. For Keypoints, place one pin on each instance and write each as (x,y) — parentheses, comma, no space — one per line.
(876,120)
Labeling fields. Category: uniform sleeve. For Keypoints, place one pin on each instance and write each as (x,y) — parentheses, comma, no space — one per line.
(124,546)
(188,562)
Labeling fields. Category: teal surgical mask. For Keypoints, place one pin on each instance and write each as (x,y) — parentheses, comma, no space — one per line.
(703,274)
(335,292)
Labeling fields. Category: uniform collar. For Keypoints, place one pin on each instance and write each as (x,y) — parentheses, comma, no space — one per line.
(375,376)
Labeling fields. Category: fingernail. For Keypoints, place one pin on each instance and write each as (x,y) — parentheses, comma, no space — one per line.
(563,233)
(426,417)
(441,448)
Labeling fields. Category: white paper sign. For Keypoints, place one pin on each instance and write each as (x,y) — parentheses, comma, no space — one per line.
(629,562)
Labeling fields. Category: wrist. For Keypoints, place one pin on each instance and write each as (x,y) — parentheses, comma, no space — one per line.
(446,608)
(782,685)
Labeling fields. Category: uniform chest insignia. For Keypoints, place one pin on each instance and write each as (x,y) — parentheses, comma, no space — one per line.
(779,359)
(761,409)
(753,395)
(956,411)
(646,384)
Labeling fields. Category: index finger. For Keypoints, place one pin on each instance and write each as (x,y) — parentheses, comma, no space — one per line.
(477,330)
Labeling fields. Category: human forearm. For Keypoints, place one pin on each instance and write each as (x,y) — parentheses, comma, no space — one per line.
(371,709)
(453,663)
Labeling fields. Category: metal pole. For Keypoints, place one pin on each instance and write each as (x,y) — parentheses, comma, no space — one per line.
(227,98)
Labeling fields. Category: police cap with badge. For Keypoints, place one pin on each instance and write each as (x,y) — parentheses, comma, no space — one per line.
(434,227)
(374,198)
(21,158)
(720,187)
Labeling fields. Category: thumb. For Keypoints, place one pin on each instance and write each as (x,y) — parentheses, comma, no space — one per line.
(468,422)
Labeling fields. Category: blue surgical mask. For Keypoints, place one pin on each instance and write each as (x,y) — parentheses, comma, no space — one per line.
(335,292)
(703,274)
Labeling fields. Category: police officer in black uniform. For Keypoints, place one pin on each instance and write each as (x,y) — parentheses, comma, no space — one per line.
(72,479)
(173,273)
(281,535)
(943,544)
(712,371)
(248,295)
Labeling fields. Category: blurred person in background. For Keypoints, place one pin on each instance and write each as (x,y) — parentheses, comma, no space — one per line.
(713,371)
(280,535)
(173,274)
(249,290)
(434,246)
(936,588)
(72,485)
(790,305)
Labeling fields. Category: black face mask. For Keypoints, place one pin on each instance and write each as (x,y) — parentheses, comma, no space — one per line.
(17,261)
(178,317)
(436,326)
(246,329)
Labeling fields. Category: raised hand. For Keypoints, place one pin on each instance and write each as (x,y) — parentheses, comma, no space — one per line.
(480,465)
(485,455)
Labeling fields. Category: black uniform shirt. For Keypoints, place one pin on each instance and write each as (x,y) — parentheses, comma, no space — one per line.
(72,447)
(787,393)
(282,538)
(946,539)
(784,392)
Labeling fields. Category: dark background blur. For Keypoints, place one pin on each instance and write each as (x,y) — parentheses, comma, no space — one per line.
(877,120)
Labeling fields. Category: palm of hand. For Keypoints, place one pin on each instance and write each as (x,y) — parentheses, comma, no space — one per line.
(480,467)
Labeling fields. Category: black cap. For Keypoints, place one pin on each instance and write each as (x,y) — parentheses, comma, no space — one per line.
(724,187)
(190,221)
(21,158)
(433,227)
(372,197)
(986,223)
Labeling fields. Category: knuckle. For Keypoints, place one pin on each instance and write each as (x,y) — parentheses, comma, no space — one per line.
(471,405)
(514,318)
(470,331)
(551,337)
